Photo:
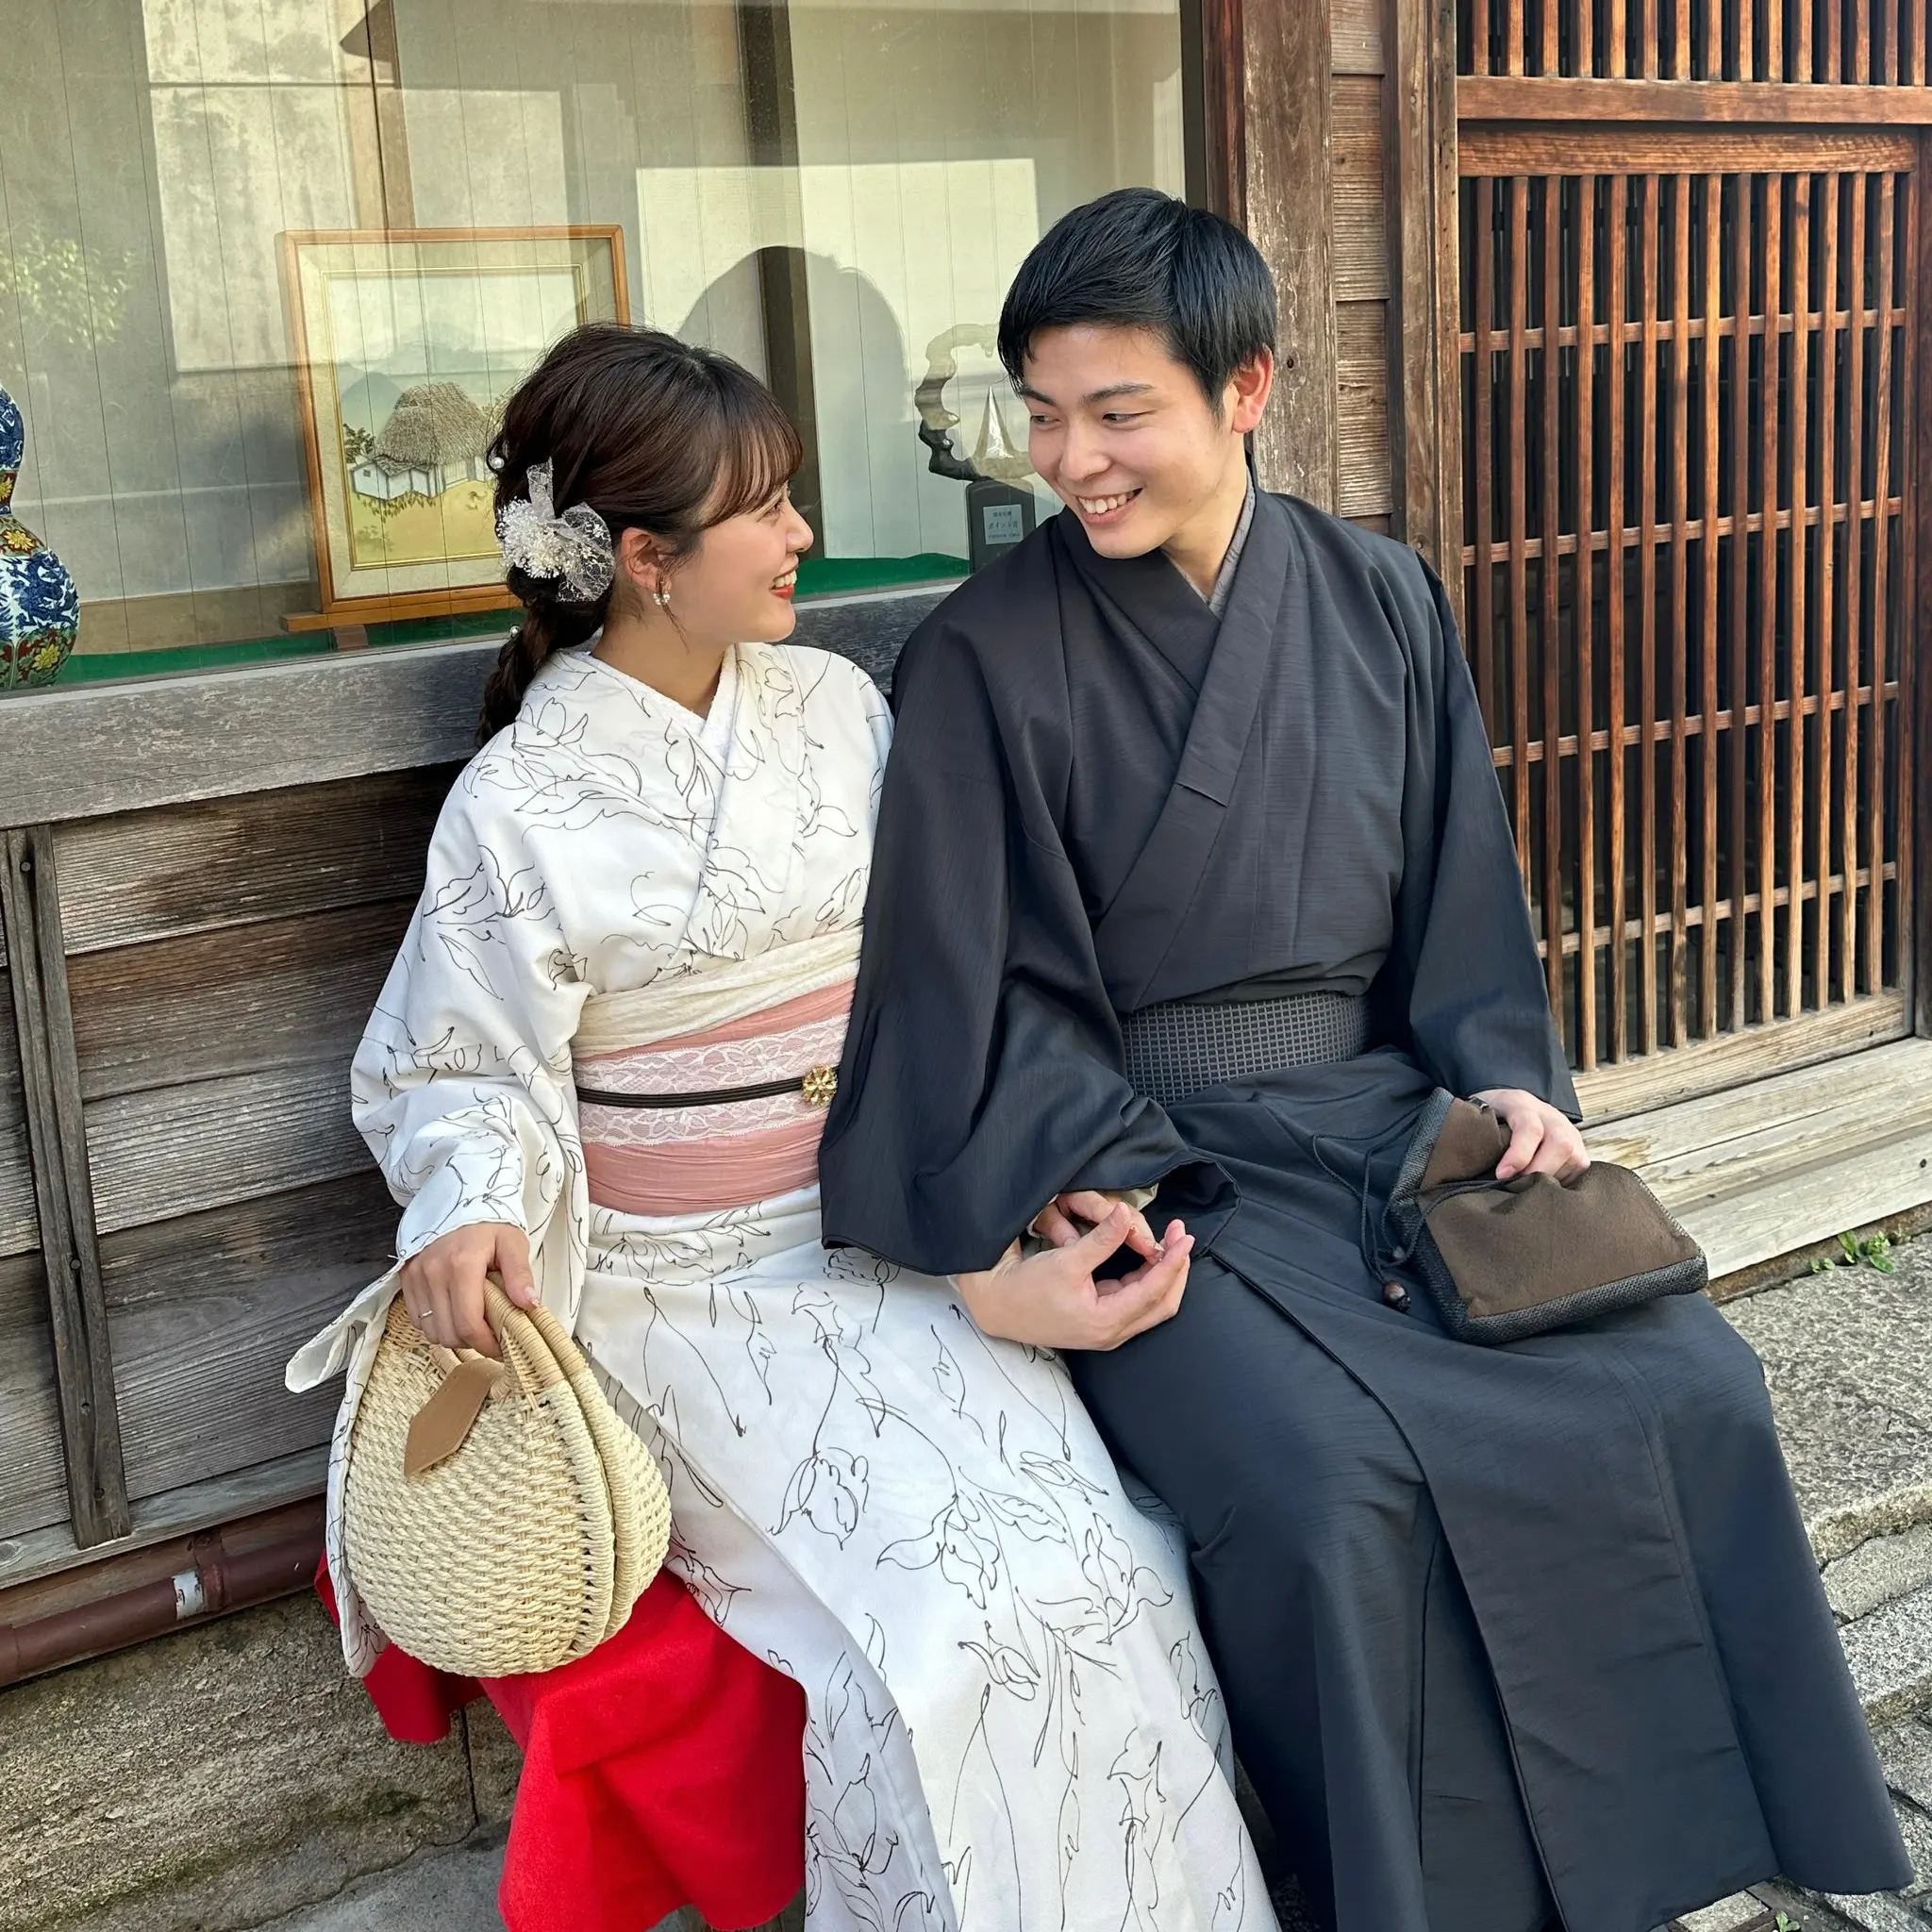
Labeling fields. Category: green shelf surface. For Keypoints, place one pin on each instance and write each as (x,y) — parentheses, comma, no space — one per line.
(829,577)
(95,667)
(818,576)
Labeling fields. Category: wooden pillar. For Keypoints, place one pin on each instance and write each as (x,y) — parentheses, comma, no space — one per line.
(378,147)
(1425,381)
(64,1191)
(1287,82)
(1212,66)
(771,113)
(1915,629)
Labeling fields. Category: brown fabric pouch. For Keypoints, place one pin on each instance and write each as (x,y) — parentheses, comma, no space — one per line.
(1505,1259)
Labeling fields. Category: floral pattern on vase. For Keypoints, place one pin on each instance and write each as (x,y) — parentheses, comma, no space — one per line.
(39,607)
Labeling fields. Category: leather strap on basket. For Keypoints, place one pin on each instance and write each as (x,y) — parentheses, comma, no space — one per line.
(441,1425)
(439,1429)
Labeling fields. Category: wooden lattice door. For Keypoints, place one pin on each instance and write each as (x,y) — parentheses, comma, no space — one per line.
(1692,504)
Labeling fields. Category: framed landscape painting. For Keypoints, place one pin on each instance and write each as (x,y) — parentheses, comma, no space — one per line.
(406,341)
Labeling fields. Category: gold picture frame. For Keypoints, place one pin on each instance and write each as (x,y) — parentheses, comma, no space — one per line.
(405,341)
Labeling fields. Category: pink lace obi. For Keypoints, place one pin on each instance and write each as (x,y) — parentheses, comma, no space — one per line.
(720,1114)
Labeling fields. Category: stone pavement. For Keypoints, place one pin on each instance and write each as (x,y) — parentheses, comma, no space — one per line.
(1848,1357)
(443,1888)
(448,1888)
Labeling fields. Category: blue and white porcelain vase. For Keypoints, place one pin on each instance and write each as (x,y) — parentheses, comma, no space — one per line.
(39,608)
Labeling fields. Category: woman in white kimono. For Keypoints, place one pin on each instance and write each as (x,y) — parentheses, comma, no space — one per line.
(599,1067)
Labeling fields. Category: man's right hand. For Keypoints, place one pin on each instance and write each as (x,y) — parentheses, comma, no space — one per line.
(442,1284)
(1051,1299)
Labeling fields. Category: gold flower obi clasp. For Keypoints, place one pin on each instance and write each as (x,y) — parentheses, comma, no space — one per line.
(819,1086)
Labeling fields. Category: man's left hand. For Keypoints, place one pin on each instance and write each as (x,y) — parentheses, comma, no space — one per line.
(1067,1217)
(1542,1140)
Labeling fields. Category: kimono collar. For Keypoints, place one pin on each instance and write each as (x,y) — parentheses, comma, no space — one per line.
(1223,577)
(1133,937)
(614,707)
(738,785)
(1150,594)
(1147,596)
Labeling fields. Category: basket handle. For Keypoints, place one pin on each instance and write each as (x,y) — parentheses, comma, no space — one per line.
(555,1336)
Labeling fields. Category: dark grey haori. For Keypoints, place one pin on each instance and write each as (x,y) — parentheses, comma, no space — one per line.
(1506,1632)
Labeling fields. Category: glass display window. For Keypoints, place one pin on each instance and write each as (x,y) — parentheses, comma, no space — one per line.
(269,267)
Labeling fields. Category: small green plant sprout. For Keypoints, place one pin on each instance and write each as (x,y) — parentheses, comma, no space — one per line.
(1871,1250)
(1786,1924)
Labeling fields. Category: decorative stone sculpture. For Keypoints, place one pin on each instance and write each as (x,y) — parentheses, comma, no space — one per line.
(39,607)
(999,511)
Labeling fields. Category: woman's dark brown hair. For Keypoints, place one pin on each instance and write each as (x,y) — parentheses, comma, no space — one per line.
(654,435)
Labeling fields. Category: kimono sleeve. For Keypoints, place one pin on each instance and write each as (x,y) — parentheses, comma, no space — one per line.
(461,1084)
(981,1074)
(1463,975)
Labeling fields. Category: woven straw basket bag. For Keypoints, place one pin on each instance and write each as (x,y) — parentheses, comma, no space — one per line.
(497,1518)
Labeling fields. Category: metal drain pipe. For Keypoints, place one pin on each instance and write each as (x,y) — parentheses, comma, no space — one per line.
(187,1581)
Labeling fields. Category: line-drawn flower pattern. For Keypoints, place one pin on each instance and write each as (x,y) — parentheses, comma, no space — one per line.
(1011,1724)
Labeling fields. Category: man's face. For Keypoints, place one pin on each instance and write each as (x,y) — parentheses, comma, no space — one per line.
(1122,432)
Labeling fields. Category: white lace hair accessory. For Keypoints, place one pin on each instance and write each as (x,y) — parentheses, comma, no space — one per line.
(574,547)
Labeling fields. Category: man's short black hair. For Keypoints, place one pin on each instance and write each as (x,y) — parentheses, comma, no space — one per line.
(1137,258)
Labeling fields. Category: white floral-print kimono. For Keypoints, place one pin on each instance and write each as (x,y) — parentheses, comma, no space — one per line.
(1012,1724)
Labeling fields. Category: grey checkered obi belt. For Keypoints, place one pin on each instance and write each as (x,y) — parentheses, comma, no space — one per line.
(1182,1046)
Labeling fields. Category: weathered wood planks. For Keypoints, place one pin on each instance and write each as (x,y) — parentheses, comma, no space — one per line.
(1289,154)
(207,1309)
(177,1150)
(83,1363)
(200,867)
(1318,176)
(1358,36)
(175,1512)
(1731,1059)
(1425,455)
(222,734)
(1367,402)
(1364,485)
(195,1003)
(20,1228)
(1792,1159)
(235,1000)
(1360,194)
(33,1473)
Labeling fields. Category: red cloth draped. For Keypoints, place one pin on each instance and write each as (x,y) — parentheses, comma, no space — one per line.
(664,1769)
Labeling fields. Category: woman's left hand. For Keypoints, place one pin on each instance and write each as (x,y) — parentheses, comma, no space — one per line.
(1542,1140)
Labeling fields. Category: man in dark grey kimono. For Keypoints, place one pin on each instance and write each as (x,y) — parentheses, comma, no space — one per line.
(1193,874)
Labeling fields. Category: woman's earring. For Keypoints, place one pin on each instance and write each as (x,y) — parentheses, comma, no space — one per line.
(661,597)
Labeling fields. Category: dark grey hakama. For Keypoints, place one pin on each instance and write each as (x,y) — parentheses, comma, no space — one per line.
(1495,1624)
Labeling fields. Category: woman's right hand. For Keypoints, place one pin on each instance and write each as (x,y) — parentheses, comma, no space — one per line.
(442,1284)
(1051,1299)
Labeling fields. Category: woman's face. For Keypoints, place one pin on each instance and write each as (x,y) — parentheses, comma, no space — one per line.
(736,588)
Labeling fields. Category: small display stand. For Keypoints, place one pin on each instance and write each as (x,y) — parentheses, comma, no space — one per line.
(998,517)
